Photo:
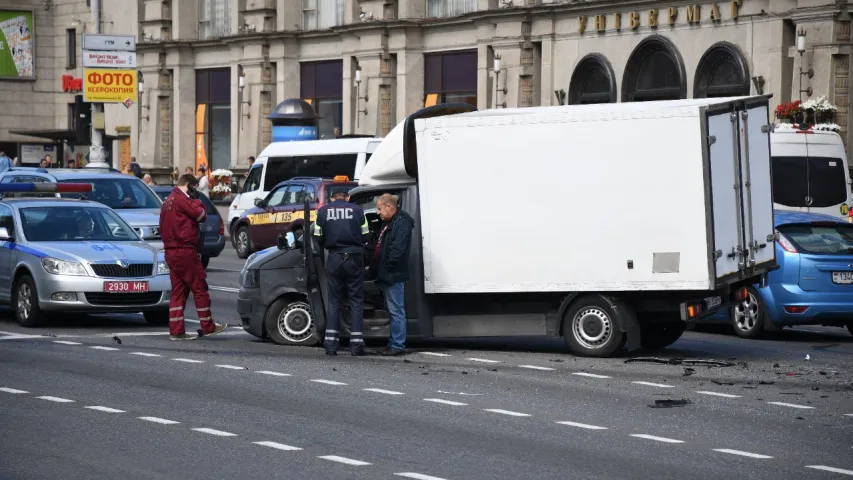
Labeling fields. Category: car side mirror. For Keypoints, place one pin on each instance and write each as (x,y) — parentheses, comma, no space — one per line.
(260,202)
(5,235)
(286,241)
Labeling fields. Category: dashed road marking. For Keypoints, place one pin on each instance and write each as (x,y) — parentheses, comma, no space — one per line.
(741,453)
(105,409)
(224,289)
(650,384)
(187,360)
(218,433)
(848,414)
(161,421)
(591,375)
(278,446)
(231,367)
(446,402)
(327,382)
(348,461)
(145,354)
(831,469)
(56,399)
(109,349)
(274,374)
(482,360)
(536,367)
(379,390)
(791,405)
(417,476)
(718,394)
(66,342)
(583,425)
(657,439)
(435,354)
(507,412)
(12,390)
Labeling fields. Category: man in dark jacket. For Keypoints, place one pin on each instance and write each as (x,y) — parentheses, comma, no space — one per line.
(391,267)
(179,218)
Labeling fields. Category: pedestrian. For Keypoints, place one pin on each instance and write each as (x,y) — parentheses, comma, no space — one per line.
(179,218)
(5,162)
(251,161)
(203,181)
(72,163)
(148,180)
(188,170)
(341,228)
(390,266)
(135,169)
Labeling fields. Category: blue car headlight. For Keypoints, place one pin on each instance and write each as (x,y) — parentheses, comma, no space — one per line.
(55,266)
(162,268)
(250,278)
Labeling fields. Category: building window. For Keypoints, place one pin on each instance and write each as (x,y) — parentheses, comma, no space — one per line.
(450,8)
(722,72)
(71,52)
(655,71)
(214,19)
(450,78)
(592,81)
(322,85)
(213,118)
(321,14)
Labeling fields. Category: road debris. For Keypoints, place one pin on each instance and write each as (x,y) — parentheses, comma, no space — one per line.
(670,403)
(682,361)
(116,339)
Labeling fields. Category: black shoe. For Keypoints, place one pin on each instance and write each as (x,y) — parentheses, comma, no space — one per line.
(382,350)
(359,353)
(391,351)
(331,353)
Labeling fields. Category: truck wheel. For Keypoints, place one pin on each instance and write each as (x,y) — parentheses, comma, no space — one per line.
(590,328)
(157,318)
(244,242)
(25,300)
(661,334)
(291,323)
(748,316)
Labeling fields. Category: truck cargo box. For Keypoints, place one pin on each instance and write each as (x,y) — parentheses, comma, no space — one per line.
(662,196)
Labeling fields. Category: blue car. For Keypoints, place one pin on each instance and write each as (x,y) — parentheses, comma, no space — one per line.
(814,284)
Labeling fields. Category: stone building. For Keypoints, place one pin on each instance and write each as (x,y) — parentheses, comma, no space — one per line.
(214,69)
(40,75)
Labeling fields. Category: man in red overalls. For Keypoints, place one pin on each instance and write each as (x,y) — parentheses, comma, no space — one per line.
(179,218)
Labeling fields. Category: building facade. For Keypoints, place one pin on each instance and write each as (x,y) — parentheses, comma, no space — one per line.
(214,69)
(41,74)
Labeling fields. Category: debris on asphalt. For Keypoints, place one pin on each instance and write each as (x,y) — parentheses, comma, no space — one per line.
(558,360)
(682,361)
(766,382)
(493,369)
(670,403)
(464,372)
(775,365)
(718,382)
(116,339)
(808,357)
(688,371)
(406,360)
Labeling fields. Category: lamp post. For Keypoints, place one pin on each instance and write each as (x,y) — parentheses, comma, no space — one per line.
(801,48)
(497,69)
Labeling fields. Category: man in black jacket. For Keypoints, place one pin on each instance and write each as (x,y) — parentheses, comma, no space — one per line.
(391,266)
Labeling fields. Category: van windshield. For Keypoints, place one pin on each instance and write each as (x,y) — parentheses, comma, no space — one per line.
(796,180)
(280,169)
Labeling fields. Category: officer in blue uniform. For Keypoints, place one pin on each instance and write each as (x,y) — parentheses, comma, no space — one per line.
(341,228)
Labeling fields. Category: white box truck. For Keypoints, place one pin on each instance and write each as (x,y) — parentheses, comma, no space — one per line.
(609,225)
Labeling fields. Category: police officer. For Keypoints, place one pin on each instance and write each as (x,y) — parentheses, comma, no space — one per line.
(341,228)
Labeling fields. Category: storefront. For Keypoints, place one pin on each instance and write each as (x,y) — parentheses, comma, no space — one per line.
(213,118)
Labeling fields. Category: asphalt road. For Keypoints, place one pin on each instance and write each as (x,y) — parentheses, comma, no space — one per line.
(74,403)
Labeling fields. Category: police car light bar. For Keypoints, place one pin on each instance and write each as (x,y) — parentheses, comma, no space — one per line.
(46,187)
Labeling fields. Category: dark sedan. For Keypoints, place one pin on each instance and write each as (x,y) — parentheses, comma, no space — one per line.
(213,227)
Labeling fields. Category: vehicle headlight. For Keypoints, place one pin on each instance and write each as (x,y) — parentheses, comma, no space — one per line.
(162,268)
(55,266)
(250,278)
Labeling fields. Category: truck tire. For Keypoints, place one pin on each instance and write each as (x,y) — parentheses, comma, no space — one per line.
(157,318)
(591,329)
(291,323)
(661,334)
(748,317)
(244,242)
(25,301)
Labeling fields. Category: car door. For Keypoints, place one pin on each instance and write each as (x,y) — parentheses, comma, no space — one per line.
(7,254)
(291,208)
(262,226)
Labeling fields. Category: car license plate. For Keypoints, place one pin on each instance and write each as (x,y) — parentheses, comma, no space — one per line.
(125,287)
(713,302)
(844,278)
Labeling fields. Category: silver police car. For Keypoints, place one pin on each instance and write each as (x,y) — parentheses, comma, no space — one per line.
(64,255)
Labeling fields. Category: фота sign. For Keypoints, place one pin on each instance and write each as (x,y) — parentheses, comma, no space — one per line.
(109,86)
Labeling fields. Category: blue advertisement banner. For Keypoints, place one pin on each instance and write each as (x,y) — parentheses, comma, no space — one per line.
(293,134)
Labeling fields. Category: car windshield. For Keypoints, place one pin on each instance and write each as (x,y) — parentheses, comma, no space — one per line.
(74,223)
(117,193)
(820,238)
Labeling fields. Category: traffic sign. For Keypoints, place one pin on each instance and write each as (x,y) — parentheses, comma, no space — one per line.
(124,43)
(107,85)
(94,58)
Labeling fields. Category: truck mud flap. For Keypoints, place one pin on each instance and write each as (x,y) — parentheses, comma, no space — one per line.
(626,321)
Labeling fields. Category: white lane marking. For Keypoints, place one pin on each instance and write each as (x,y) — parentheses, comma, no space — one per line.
(275,374)
(187,360)
(741,453)
(145,354)
(348,461)
(277,446)
(21,336)
(590,375)
(66,342)
(434,354)
(56,399)
(482,360)
(848,414)
(12,390)
(536,367)
(379,390)
(446,402)
(830,469)
(105,409)
(224,289)
(109,349)
(657,439)
(718,394)
(792,405)
(162,421)
(417,476)
(507,412)
(231,367)
(218,433)
(583,425)
(327,382)
(650,384)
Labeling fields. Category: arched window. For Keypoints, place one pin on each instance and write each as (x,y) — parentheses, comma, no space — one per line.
(592,81)
(722,72)
(654,71)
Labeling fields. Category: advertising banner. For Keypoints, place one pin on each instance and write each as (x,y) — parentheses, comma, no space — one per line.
(109,86)
(293,134)
(17,44)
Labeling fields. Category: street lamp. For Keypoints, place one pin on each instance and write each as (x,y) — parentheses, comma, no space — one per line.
(241,81)
(801,48)
(497,68)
